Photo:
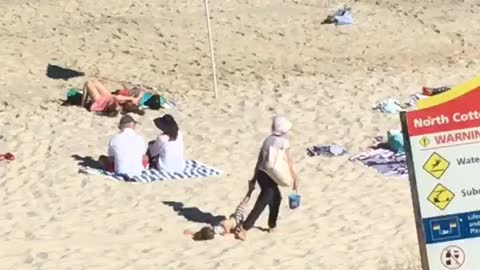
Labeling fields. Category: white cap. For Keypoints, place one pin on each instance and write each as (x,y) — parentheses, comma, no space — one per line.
(280,125)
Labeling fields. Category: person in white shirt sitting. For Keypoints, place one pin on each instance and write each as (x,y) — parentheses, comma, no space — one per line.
(167,151)
(126,150)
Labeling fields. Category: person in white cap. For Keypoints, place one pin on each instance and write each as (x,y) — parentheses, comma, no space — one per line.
(270,193)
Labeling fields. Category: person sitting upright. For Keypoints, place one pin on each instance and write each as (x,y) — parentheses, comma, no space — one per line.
(126,150)
(166,152)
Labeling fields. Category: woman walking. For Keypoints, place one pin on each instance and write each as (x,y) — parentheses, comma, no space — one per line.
(270,193)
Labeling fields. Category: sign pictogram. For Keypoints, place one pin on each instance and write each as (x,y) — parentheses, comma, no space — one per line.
(441,197)
(436,165)
(453,257)
(424,141)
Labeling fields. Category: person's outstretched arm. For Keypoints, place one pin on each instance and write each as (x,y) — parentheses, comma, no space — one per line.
(124,99)
(135,100)
(292,171)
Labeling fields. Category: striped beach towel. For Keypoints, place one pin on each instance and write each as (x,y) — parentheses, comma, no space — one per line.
(193,169)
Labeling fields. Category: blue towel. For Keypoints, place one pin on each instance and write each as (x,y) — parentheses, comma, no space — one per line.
(193,169)
(391,106)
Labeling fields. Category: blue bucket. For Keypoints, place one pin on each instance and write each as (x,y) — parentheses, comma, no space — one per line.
(294,201)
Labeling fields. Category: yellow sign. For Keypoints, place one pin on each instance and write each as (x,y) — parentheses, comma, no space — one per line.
(452,94)
(440,197)
(424,141)
(436,165)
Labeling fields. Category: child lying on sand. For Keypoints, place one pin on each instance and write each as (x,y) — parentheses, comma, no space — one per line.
(226,226)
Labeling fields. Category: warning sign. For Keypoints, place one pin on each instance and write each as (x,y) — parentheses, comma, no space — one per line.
(436,165)
(440,197)
(442,143)
(453,257)
(424,141)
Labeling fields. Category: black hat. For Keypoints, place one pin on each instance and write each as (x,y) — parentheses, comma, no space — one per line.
(165,122)
(168,125)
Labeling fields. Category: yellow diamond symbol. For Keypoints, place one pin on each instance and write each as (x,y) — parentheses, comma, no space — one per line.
(436,165)
(440,197)
(424,141)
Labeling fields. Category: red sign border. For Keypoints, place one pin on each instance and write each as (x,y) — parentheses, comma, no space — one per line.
(466,103)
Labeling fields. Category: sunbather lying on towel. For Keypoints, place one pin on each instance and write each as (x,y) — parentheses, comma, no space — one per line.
(103,101)
(226,226)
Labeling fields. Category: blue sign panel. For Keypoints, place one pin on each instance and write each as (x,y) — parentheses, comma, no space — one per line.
(445,228)
(452,227)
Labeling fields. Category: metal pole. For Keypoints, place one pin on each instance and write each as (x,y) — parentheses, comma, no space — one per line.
(212,55)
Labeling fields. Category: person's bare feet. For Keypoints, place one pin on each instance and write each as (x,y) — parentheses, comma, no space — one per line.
(241,235)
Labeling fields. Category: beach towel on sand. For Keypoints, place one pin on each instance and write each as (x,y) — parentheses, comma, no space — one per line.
(342,16)
(193,169)
(385,161)
(390,105)
(326,150)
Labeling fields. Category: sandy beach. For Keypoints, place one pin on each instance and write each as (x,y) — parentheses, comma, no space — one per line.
(272,56)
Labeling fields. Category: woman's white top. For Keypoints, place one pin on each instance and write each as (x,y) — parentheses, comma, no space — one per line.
(170,153)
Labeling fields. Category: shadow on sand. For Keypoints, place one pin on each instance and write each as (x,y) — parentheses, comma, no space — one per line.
(194,214)
(59,73)
(87,161)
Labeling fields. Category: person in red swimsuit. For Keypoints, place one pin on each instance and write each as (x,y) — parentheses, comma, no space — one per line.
(103,101)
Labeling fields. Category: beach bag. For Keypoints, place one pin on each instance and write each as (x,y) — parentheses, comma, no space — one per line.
(277,167)
(395,141)
(74,97)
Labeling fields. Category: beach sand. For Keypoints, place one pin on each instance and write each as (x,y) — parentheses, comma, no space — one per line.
(272,57)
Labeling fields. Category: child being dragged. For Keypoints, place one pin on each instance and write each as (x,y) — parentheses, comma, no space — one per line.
(226,226)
